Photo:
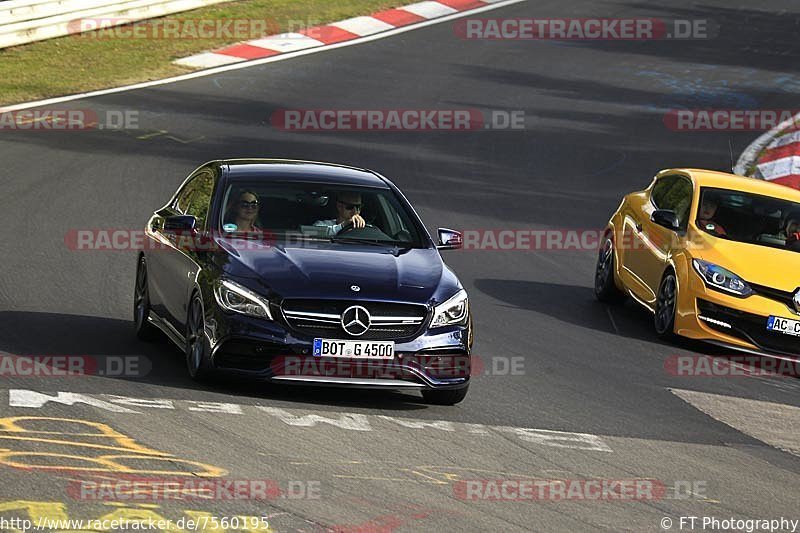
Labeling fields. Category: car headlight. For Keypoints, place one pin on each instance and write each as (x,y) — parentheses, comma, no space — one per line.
(453,312)
(718,278)
(233,297)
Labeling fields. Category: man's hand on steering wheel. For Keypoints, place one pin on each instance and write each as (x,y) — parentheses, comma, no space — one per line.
(356,222)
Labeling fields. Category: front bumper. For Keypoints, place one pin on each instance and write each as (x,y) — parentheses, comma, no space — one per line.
(739,323)
(272,351)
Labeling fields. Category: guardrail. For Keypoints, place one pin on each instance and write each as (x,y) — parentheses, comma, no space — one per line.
(25,21)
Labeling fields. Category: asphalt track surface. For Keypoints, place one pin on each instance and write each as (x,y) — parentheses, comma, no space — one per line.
(593,132)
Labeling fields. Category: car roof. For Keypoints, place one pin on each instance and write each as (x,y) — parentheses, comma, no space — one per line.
(304,171)
(723,180)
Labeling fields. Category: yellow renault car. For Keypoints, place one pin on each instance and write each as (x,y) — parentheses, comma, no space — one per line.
(714,257)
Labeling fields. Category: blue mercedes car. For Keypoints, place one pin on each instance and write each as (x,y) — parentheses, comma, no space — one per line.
(308,273)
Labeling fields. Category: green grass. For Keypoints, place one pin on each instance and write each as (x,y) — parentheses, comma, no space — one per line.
(79,63)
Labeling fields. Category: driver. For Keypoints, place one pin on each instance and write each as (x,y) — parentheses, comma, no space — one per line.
(705,217)
(792,231)
(348,208)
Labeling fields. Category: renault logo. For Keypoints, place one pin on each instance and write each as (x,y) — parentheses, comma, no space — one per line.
(356,320)
(796,300)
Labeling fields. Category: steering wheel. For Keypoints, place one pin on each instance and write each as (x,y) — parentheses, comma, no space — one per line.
(351,227)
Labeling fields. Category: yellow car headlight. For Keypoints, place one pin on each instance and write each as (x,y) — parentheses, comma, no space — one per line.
(718,278)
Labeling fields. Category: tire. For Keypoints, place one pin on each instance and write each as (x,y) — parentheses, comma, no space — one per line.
(195,349)
(666,304)
(445,397)
(605,289)
(141,305)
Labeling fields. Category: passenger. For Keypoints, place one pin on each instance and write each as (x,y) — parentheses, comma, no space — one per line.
(243,213)
(705,217)
(348,207)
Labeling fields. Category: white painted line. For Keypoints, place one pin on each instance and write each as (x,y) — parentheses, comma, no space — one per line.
(254,63)
(750,154)
(363,25)
(773,423)
(302,418)
(793,137)
(786,166)
(429,10)
(208,60)
(349,421)
(286,42)
(37,400)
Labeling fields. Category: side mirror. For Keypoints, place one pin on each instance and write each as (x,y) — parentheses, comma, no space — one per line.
(450,239)
(666,218)
(180,224)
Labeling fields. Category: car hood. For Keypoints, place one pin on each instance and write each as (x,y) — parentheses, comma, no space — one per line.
(762,265)
(311,270)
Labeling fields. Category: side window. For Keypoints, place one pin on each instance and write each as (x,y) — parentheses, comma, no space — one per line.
(201,188)
(681,197)
(660,191)
(674,193)
(182,202)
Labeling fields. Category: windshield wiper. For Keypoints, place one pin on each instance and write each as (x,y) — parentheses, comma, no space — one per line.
(373,242)
(355,240)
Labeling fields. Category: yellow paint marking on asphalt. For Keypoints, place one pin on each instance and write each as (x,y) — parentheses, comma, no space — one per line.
(12,425)
(57,511)
(165,133)
(433,480)
(20,430)
(106,463)
(370,478)
(35,510)
(81,444)
(151,135)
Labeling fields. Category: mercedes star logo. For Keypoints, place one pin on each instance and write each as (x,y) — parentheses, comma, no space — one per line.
(796,300)
(356,320)
(355,288)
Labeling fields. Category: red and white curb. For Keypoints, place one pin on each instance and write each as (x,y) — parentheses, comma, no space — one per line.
(774,156)
(336,32)
(486,5)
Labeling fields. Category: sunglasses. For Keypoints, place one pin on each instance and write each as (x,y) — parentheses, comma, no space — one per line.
(350,207)
(248,205)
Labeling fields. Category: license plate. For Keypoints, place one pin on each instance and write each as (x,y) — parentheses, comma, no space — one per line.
(353,349)
(787,326)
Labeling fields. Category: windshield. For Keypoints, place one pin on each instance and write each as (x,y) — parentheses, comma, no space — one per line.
(750,218)
(287,211)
